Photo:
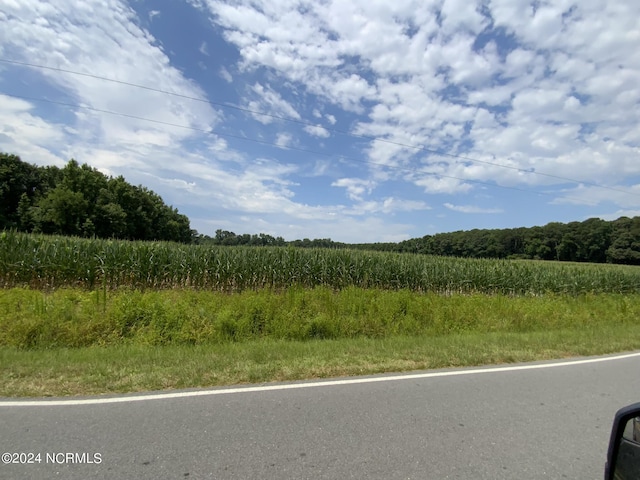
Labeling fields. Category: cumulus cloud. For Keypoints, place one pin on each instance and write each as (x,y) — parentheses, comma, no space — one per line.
(317,131)
(24,132)
(356,187)
(428,78)
(440,185)
(511,93)
(284,139)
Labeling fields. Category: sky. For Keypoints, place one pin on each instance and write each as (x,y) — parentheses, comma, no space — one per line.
(356,120)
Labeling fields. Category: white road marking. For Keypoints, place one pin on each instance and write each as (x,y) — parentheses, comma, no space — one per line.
(295,386)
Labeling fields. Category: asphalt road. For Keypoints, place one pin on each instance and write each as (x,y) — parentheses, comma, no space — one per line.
(531,423)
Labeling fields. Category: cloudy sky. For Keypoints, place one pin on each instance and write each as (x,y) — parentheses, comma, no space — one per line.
(357,120)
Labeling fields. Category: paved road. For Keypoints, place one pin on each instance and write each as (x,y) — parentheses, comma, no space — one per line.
(530,423)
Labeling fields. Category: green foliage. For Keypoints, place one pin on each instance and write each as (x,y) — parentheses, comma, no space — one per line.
(625,248)
(71,318)
(80,200)
(18,184)
(594,240)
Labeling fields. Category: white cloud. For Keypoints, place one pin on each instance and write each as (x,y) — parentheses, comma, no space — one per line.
(103,37)
(390,205)
(523,87)
(356,187)
(463,14)
(626,197)
(469,67)
(553,55)
(284,139)
(521,62)
(348,92)
(472,209)
(395,204)
(176,183)
(317,131)
(27,134)
(224,73)
(440,185)
(271,103)
(261,187)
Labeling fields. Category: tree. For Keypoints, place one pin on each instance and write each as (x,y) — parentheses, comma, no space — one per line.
(625,246)
(17,179)
(80,200)
(224,237)
(63,212)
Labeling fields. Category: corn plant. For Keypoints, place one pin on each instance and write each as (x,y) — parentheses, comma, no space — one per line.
(48,262)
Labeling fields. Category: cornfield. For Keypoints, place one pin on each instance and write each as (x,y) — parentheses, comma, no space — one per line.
(48,262)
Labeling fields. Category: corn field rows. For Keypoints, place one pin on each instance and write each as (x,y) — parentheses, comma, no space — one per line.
(48,262)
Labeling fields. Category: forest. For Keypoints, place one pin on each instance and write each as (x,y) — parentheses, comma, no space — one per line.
(593,240)
(81,201)
(78,200)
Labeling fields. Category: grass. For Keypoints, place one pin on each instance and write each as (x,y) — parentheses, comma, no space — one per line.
(73,318)
(80,316)
(77,343)
(132,368)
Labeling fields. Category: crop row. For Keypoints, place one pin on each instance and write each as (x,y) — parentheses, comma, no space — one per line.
(47,262)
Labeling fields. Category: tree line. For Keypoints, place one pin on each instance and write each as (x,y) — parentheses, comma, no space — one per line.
(82,201)
(225,237)
(593,240)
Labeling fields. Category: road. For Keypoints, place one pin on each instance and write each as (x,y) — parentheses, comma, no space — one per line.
(531,421)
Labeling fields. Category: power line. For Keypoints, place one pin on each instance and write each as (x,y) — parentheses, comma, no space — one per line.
(329,129)
(264,142)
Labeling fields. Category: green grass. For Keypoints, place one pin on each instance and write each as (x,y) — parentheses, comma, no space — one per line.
(72,341)
(134,368)
(71,318)
(48,262)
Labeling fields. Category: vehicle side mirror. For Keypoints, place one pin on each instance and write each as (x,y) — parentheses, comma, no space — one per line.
(623,458)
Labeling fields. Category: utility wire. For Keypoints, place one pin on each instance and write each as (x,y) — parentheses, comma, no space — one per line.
(306,123)
(264,142)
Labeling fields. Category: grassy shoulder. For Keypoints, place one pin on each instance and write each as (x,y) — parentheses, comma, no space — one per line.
(75,342)
(135,368)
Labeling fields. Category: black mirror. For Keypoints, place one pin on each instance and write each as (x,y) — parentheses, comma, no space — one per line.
(623,458)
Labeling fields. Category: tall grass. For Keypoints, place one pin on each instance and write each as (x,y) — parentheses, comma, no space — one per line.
(75,318)
(47,262)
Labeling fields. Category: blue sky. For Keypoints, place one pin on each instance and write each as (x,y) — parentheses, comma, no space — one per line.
(384,120)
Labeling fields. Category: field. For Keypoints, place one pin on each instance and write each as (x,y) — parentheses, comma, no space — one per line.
(82,316)
(47,263)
